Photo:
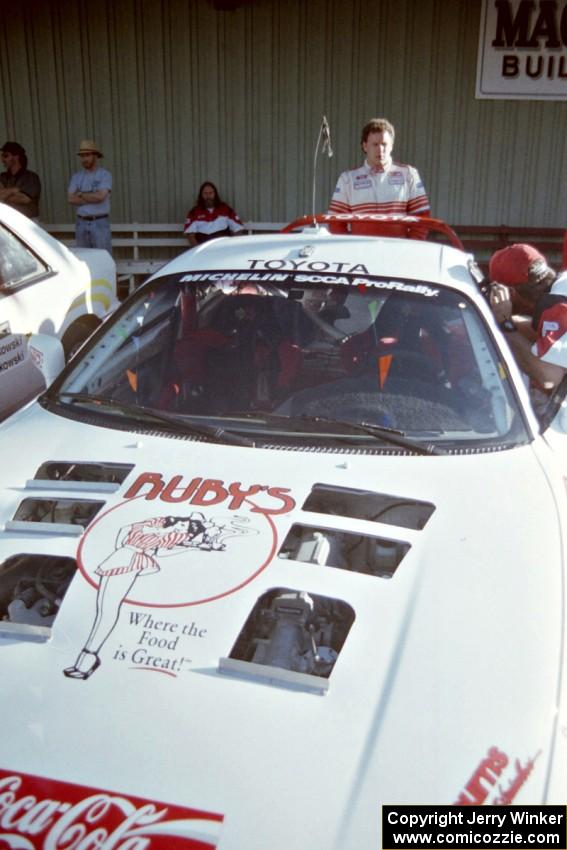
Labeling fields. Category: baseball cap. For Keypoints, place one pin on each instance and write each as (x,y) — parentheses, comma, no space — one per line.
(514,264)
(13,148)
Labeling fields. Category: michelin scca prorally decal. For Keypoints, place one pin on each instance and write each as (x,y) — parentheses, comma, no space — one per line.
(141,553)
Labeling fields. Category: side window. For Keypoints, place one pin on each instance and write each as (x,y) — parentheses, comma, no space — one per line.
(17,263)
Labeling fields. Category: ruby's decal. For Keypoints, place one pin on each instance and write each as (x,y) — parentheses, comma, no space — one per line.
(44,814)
(495,782)
(166,560)
(204,492)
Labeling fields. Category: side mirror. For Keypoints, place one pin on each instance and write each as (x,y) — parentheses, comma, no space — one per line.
(47,354)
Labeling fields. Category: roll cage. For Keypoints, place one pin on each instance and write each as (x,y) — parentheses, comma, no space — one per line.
(405,227)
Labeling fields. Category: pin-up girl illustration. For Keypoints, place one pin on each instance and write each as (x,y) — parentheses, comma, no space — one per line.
(137,550)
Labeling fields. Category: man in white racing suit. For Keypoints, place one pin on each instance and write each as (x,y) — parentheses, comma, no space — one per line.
(380,185)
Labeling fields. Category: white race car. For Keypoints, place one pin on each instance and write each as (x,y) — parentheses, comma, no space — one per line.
(45,287)
(284,542)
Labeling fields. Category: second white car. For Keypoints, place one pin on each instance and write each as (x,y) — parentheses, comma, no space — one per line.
(45,288)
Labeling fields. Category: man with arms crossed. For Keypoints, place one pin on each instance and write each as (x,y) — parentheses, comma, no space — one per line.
(89,192)
(20,188)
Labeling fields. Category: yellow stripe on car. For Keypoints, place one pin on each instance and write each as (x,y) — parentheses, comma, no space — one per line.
(104,298)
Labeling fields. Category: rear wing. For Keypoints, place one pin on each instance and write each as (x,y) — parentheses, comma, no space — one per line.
(400,226)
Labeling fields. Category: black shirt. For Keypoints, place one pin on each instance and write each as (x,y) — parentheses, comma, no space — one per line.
(29,184)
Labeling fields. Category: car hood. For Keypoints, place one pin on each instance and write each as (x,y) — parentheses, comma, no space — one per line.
(427,701)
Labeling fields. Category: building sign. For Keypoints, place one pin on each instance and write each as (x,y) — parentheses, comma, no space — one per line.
(523,50)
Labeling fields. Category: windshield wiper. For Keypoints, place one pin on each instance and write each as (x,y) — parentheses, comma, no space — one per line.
(149,414)
(388,435)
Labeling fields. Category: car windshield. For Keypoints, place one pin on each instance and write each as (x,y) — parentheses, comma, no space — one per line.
(265,353)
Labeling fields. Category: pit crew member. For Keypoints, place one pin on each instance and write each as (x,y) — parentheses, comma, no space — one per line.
(530,303)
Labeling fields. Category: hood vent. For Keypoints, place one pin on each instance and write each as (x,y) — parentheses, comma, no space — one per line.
(368,505)
(69,475)
(367,553)
(32,588)
(291,638)
(359,553)
(54,516)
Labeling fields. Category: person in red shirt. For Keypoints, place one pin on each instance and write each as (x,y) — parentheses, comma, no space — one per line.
(210,217)
(530,303)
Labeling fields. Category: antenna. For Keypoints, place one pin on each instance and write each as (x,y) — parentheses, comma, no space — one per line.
(325,135)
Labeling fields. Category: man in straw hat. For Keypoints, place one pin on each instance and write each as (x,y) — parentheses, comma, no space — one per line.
(530,303)
(89,192)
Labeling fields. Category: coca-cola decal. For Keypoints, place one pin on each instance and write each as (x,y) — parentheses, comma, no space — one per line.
(44,814)
(172,543)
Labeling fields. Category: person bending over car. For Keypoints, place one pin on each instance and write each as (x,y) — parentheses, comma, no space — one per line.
(210,217)
(530,303)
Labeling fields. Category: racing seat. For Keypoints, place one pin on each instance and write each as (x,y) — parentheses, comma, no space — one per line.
(246,358)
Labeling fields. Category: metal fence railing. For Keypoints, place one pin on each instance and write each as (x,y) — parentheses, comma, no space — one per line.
(140,249)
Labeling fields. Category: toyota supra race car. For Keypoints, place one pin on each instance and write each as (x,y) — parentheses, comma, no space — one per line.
(283,542)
